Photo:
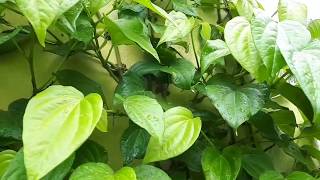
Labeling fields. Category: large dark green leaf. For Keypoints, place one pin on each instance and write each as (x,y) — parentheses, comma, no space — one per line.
(90,151)
(224,165)
(42,13)
(296,96)
(61,170)
(236,103)
(264,123)
(302,56)
(213,53)
(285,120)
(132,83)
(133,144)
(79,81)
(192,157)
(147,172)
(257,163)
(182,72)
(56,122)
(127,31)
(11,120)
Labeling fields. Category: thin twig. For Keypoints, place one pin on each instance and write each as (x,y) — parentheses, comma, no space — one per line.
(194,50)
(207,138)
(118,58)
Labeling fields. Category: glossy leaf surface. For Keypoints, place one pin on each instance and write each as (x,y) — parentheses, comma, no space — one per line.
(56,122)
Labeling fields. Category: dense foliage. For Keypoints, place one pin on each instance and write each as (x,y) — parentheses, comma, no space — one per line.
(255,106)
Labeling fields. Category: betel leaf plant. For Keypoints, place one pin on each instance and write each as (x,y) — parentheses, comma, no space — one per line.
(220,90)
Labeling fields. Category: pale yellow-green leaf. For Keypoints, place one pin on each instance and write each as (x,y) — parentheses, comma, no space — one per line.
(145,112)
(181,131)
(56,122)
(103,122)
(238,37)
(178,28)
(92,171)
(303,58)
(101,171)
(42,13)
(314,28)
(125,173)
(6,157)
(205,31)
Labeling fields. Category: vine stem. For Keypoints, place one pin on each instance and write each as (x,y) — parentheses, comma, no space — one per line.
(195,54)
(118,58)
(31,66)
(194,50)
(207,138)
(30,61)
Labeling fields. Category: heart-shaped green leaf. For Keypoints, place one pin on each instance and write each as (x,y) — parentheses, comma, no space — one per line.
(236,104)
(56,122)
(133,143)
(302,56)
(224,165)
(180,131)
(101,171)
(178,29)
(147,172)
(42,13)
(182,72)
(127,31)
(239,39)
(90,151)
(213,53)
(264,32)
(145,112)
(16,169)
(92,171)
(6,157)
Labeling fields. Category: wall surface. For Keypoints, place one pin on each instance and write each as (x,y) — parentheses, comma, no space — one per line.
(15,78)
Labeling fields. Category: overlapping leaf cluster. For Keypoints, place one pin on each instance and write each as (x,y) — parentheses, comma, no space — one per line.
(248,83)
